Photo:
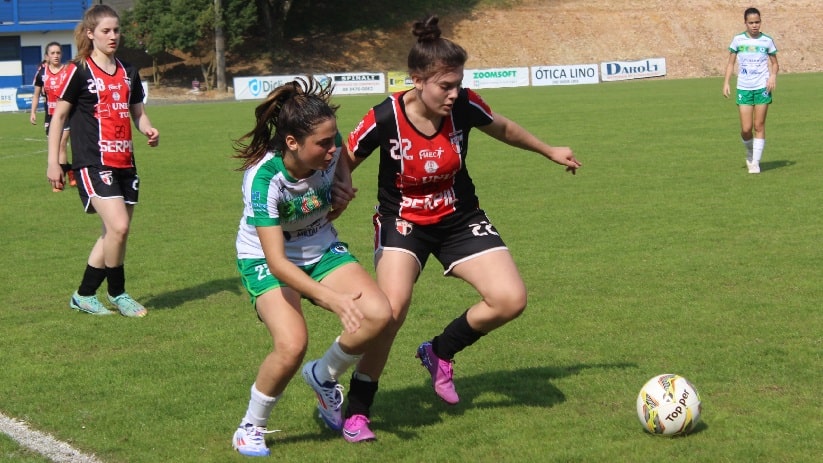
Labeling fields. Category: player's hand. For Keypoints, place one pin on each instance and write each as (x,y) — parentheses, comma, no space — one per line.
(54,173)
(726,90)
(335,212)
(33,119)
(346,309)
(154,136)
(565,156)
(341,195)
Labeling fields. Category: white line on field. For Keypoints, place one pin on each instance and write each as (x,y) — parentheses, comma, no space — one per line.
(36,153)
(44,444)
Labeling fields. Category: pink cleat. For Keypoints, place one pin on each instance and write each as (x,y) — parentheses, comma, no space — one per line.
(441,373)
(356,429)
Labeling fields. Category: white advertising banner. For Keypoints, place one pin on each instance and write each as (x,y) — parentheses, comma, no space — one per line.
(624,70)
(358,83)
(8,99)
(17,98)
(495,78)
(256,88)
(573,74)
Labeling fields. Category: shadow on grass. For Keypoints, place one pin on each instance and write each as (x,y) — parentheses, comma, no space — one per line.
(699,427)
(402,412)
(771,165)
(177,298)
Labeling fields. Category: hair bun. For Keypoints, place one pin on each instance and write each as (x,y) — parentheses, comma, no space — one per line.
(428,30)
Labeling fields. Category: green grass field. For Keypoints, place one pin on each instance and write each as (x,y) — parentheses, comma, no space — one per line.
(661,255)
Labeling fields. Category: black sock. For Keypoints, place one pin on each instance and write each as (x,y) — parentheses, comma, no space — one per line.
(65,167)
(117,280)
(92,279)
(361,396)
(457,336)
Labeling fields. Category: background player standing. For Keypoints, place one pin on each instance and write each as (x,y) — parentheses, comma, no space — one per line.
(104,93)
(49,80)
(756,55)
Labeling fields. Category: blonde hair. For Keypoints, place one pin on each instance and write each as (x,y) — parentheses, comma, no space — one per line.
(91,18)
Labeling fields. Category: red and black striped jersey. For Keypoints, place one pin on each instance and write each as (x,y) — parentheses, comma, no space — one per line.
(52,84)
(100,118)
(421,178)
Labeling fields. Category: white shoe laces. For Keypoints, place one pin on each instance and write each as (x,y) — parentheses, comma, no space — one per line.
(255,434)
(334,396)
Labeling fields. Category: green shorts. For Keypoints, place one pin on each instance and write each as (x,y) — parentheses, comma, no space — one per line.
(257,279)
(753,97)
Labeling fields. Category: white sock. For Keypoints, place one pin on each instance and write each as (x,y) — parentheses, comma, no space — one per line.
(757,148)
(334,363)
(260,407)
(362,377)
(749,144)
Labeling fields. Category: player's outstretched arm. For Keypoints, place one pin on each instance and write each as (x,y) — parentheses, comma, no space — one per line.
(513,134)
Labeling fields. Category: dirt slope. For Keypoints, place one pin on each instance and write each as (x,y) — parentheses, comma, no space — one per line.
(693,36)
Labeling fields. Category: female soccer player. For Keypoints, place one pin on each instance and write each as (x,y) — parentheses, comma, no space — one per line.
(104,92)
(50,78)
(427,206)
(756,55)
(287,248)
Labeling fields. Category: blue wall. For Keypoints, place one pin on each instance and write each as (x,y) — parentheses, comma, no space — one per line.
(27,17)
(41,15)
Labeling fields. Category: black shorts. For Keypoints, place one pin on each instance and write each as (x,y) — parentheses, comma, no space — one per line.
(107,182)
(66,127)
(455,239)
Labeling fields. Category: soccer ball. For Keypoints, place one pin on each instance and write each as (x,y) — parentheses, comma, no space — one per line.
(668,405)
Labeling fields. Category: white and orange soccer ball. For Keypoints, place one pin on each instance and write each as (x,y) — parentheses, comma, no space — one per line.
(668,405)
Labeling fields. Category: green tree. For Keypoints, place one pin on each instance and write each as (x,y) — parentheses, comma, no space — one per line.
(189,26)
(273,16)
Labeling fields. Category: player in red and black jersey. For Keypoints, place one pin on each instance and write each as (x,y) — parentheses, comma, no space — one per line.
(427,206)
(103,96)
(49,80)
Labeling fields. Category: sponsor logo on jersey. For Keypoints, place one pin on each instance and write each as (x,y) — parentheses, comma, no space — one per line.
(115,146)
(430,202)
(431,154)
(311,230)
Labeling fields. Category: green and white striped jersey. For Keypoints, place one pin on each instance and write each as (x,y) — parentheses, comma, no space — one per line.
(273,197)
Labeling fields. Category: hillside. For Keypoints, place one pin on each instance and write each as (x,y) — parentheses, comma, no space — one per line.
(693,37)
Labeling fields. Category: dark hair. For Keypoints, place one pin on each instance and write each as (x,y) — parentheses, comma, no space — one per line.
(53,44)
(433,53)
(295,109)
(749,11)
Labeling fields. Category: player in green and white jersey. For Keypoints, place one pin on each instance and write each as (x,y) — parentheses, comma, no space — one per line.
(756,55)
(287,248)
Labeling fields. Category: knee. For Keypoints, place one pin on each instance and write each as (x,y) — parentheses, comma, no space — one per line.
(379,315)
(290,353)
(119,231)
(509,304)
